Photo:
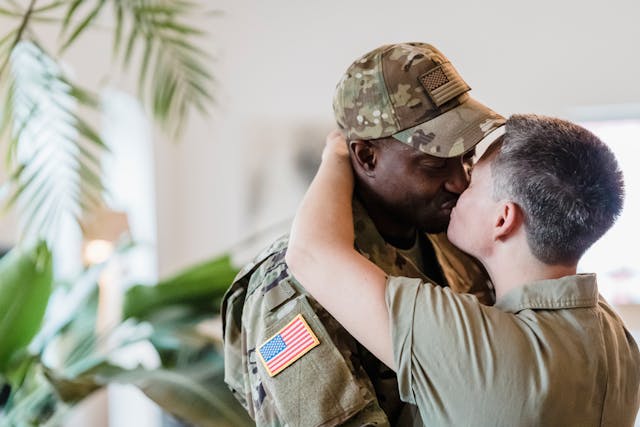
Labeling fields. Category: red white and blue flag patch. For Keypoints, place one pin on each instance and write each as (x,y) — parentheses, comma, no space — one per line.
(288,345)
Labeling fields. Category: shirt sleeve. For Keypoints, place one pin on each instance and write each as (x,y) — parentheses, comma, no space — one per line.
(401,296)
(446,346)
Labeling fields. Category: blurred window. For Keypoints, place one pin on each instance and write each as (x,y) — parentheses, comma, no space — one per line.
(615,256)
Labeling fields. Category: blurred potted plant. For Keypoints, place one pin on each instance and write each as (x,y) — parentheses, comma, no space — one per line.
(44,124)
(170,316)
(45,129)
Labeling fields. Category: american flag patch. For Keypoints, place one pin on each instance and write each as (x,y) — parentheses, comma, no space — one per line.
(288,345)
(443,84)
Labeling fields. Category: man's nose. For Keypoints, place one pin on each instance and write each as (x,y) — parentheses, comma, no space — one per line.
(458,178)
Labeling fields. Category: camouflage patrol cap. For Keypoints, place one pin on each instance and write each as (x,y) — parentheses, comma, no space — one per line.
(411,92)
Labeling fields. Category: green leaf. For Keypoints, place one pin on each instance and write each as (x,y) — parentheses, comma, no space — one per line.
(181,43)
(130,45)
(188,400)
(84,96)
(33,111)
(38,215)
(165,86)
(10,122)
(62,147)
(9,36)
(8,12)
(33,404)
(176,391)
(91,177)
(157,9)
(19,171)
(119,14)
(38,195)
(204,92)
(25,286)
(21,363)
(197,68)
(82,25)
(53,5)
(89,158)
(25,181)
(88,132)
(73,7)
(73,390)
(200,285)
(144,67)
(179,28)
(180,78)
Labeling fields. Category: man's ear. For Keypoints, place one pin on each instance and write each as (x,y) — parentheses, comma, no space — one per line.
(509,218)
(364,156)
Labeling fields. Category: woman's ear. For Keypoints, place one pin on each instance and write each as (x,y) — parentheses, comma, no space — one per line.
(509,218)
(364,156)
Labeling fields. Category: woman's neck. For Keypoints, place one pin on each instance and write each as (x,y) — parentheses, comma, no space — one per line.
(521,267)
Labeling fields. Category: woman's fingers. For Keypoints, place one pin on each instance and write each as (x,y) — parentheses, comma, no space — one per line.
(335,144)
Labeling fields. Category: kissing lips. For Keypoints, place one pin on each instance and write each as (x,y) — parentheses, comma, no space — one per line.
(448,205)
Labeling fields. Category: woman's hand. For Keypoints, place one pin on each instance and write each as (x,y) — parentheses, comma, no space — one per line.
(322,257)
(336,161)
(335,145)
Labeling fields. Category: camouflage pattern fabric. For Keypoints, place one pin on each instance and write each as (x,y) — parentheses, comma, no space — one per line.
(338,382)
(412,92)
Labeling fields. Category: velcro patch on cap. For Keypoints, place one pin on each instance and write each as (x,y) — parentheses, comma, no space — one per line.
(443,83)
(288,345)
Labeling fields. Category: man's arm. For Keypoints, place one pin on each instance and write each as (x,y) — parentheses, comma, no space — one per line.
(322,257)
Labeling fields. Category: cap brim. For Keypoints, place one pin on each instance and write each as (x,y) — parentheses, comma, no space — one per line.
(455,132)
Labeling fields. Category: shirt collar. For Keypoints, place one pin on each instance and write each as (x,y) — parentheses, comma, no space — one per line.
(575,291)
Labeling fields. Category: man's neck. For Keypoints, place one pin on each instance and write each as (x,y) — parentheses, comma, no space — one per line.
(396,233)
(517,268)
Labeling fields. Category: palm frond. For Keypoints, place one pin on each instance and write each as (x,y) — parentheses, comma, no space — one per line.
(40,121)
(119,17)
(52,149)
(71,10)
(174,76)
(49,7)
(84,23)
(8,12)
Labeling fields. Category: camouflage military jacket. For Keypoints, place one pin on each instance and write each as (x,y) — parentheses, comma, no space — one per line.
(337,382)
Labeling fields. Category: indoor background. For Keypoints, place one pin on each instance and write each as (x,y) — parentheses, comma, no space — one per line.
(233,180)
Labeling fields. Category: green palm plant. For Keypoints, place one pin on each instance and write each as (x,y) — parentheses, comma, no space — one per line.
(188,384)
(53,155)
(52,151)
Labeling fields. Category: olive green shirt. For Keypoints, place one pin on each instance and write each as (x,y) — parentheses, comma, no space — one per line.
(551,353)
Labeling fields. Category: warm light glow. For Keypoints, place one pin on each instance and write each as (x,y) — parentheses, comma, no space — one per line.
(97,251)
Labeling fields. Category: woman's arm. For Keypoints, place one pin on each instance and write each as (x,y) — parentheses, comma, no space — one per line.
(322,257)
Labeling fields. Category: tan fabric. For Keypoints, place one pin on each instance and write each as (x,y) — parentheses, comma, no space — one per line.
(552,353)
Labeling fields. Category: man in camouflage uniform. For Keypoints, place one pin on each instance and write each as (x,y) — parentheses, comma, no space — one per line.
(412,127)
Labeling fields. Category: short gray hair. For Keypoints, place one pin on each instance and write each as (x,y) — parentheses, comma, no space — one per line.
(564,178)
